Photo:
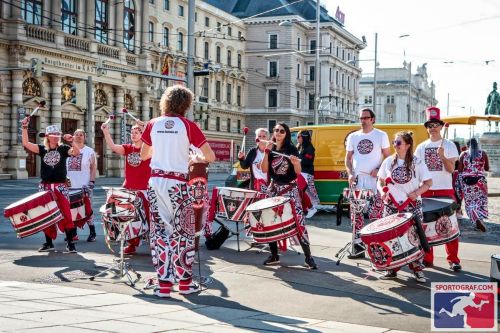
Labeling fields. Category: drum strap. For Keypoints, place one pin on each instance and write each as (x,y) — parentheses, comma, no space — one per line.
(439,193)
(169,174)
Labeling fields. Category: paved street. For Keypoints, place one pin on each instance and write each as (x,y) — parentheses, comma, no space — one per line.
(52,291)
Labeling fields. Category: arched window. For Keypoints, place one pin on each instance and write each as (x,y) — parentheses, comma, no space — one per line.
(32,11)
(239,61)
(101,20)
(217,54)
(166,37)
(229,58)
(207,51)
(69,16)
(129,25)
(180,41)
(151,31)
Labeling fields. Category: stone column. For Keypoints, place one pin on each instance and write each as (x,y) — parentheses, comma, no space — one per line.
(117,163)
(144,26)
(16,159)
(55,101)
(145,107)
(89,18)
(15,10)
(55,15)
(119,34)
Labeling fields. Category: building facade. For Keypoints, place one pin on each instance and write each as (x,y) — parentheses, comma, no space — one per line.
(394,87)
(102,56)
(281,51)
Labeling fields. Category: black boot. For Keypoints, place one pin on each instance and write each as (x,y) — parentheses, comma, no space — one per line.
(92,235)
(307,253)
(274,258)
(48,246)
(70,248)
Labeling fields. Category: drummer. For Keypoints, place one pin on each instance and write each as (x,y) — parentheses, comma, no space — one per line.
(137,171)
(82,170)
(259,180)
(365,150)
(283,173)
(411,177)
(53,154)
(440,156)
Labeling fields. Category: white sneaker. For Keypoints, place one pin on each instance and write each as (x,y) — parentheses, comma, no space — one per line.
(419,276)
(163,293)
(189,289)
(311,212)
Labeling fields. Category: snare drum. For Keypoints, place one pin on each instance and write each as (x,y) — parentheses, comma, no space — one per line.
(440,220)
(392,241)
(232,202)
(121,202)
(79,211)
(34,213)
(272,219)
(357,194)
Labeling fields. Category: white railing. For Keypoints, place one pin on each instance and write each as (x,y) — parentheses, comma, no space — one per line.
(108,51)
(40,33)
(76,43)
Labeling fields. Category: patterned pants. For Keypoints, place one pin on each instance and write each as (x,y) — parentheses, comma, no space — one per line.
(390,208)
(375,211)
(62,198)
(311,189)
(172,229)
(476,199)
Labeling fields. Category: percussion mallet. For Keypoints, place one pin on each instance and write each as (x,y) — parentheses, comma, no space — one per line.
(110,117)
(280,154)
(40,105)
(445,134)
(124,110)
(245,131)
(265,141)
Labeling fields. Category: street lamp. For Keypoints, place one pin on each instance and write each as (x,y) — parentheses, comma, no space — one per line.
(409,82)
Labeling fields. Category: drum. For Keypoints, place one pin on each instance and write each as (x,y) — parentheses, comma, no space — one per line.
(392,241)
(495,268)
(232,202)
(33,214)
(123,209)
(79,214)
(357,194)
(272,219)
(440,220)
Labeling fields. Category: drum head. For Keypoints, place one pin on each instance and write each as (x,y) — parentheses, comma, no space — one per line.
(27,199)
(496,257)
(267,203)
(434,208)
(235,189)
(386,223)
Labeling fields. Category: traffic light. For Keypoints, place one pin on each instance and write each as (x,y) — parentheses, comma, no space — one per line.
(201,73)
(36,67)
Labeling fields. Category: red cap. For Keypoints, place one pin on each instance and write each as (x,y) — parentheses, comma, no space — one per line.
(433,115)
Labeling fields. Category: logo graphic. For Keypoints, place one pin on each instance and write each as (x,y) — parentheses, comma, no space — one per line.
(169,124)
(365,146)
(52,158)
(463,306)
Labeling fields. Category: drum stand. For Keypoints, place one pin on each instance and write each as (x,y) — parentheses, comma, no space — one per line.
(119,266)
(357,206)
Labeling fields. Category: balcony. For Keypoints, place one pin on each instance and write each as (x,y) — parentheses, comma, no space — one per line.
(77,43)
(108,51)
(40,33)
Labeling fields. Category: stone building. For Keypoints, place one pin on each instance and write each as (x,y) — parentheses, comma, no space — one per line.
(280,53)
(393,89)
(100,56)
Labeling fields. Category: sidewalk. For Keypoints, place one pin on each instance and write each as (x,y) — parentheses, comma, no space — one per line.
(30,307)
(493,186)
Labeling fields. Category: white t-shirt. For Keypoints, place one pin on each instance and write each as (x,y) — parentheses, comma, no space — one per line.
(404,181)
(171,138)
(257,171)
(79,167)
(427,151)
(367,149)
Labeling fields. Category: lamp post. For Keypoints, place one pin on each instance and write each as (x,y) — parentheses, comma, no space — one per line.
(317,87)
(375,78)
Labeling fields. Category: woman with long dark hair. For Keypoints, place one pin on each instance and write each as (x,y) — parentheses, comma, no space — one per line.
(471,167)
(411,177)
(283,173)
(306,154)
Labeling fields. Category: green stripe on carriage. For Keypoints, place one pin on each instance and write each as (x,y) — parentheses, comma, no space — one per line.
(329,191)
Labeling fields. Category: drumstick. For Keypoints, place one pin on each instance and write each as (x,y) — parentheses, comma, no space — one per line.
(445,134)
(40,105)
(245,131)
(124,110)
(280,154)
(265,141)
(110,117)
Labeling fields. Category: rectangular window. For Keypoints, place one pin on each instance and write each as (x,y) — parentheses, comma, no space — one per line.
(330,75)
(207,21)
(229,31)
(298,99)
(217,90)
(217,54)
(228,124)
(181,10)
(217,124)
(298,43)
(101,18)
(312,47)
(69,16)
(180,41)
(273,69)
(272,99)
(239,126)
(298,72)
(239,61)
(311,101)
(240,35)
(331,48)
(205,87)
(238,95)
(196,16)
(166,37)
(390,99)
(337,77)
(219,27)
(273,41)
(229,90)
(151,32)
(270,125)
(312,73)
(342,81)
(229,58)
(166,4)
(206,51)
(348,83)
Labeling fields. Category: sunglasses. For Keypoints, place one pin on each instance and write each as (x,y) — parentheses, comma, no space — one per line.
(433,125)
(364,118)
(281,130)
(397,143)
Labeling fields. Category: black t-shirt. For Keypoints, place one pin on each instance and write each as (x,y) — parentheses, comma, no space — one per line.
(53,168)
(307,159)
(281,169)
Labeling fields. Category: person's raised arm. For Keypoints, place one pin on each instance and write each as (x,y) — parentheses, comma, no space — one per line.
(119,149)
(25,140)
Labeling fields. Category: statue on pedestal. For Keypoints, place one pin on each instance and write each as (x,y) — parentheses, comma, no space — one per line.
(493,103)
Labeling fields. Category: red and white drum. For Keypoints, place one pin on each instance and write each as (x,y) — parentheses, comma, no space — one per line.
(272,219)
(123,206)
(232,202)
(392,241)
(440,220)
(357,194)
(79,211)
(33,214)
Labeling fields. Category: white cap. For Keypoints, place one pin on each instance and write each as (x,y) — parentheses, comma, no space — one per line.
(52,129)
